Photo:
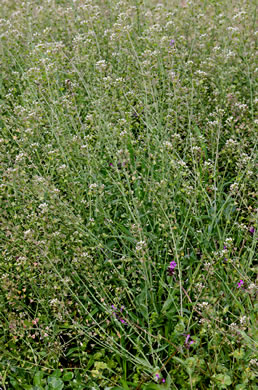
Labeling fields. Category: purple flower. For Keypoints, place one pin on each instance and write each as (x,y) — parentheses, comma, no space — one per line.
(252,230)
(172,42)
(158,379)
(115,309)
(116,315)
(171,268)
(240,283)
(187,342)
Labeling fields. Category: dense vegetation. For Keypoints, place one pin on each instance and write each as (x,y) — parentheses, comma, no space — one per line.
(128,203)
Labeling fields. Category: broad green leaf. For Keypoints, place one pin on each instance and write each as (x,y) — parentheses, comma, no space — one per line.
(57,373)
(67,376)
(223,380)
(37,380)
(55,383)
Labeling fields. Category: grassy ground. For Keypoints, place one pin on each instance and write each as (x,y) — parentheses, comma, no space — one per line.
(128,217)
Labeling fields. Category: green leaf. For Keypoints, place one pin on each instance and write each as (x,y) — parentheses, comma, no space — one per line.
(240,386)
(168,302)
(143,362)
(71,351)
(57,373)
(190,364)
(114,388)
(67,376)
(223,380)
(37,380)
(15,384)
(142,302)
(180,361)
(153,386)
(171,313)
(100,366)
(238,354)
(55,383)
(125,387)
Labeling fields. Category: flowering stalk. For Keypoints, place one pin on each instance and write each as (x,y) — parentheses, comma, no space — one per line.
(171,268)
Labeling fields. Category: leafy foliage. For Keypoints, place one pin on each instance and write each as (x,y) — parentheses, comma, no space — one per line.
(128,213)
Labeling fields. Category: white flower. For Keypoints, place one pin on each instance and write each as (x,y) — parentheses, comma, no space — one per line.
(101,65)
(43,206)
(140,245)
(93,185)
(168,144)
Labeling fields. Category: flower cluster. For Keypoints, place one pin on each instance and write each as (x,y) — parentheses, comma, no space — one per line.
(188,342)
(171,268)
(159,379)
(240,283)
(116,314)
